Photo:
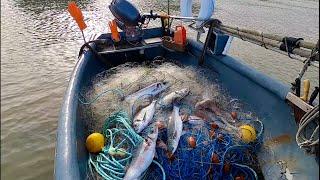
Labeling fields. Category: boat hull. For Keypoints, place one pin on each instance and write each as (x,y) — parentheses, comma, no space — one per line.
(265,95)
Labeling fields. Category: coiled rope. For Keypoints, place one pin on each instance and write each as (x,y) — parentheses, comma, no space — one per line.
(305,137)
(121,138)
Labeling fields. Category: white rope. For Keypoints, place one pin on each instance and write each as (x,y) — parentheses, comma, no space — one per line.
(304,142)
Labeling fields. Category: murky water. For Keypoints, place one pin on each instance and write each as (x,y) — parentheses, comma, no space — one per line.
(39,46)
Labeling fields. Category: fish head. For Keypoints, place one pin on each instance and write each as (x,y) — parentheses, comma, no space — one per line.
(161,86)
(184,92)
(137,126)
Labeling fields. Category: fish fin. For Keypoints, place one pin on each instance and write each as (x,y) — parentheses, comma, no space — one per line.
(144,117)
(185,118)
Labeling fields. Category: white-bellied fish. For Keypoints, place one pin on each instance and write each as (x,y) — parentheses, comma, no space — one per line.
(195,120)
(151,90)
(144,117)
(176,96)
(143,156)
(174,130)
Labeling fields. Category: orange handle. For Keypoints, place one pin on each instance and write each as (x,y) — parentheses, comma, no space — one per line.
(76,13)
(114,31)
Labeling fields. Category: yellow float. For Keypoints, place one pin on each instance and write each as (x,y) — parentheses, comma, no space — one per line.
(247,133)
(95,142)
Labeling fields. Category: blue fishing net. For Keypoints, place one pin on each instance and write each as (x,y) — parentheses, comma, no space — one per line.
(232,159)
(215,156)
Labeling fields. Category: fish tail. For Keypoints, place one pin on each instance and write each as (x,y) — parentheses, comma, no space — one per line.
(170,156)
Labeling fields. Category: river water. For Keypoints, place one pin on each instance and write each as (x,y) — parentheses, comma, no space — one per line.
(39,46)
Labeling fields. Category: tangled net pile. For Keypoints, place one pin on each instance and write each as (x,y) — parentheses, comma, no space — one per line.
(110,86)
(219,156)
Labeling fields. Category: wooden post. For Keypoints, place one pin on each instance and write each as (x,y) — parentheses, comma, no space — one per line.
(304,44)
(269,42)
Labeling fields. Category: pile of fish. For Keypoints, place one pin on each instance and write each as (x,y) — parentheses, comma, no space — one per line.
(143,117)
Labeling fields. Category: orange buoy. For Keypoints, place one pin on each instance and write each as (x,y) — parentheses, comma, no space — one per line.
(234,115)
(226,168)
(192,142)
(214,126)
(215,158)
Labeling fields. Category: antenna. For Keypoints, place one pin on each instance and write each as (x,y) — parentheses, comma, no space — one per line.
(168,7)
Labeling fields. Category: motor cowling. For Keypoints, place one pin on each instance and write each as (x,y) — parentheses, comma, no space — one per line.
(125,12)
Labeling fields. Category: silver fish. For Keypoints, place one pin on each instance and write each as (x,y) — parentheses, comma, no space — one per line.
(144,117)
(143,156)
(174,97)
(195,120)
(151,90)
(174,130)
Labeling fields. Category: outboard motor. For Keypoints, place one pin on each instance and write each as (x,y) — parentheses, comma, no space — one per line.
(128,18)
